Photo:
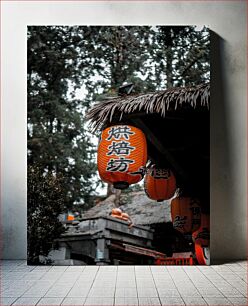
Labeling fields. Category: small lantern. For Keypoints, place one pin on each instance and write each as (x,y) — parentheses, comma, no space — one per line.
(202,254)
(185,214)
(122,155)
(160,184)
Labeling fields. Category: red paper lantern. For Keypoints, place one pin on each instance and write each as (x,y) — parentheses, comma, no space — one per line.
(185,214)
(160,184)
(202,254)
(122,155)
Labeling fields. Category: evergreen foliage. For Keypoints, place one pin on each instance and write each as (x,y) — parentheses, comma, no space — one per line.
(45,203)
(57,138)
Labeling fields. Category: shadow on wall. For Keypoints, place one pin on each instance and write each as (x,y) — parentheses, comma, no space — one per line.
(225,234)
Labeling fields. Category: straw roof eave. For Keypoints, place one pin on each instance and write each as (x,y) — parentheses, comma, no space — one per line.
(157,102)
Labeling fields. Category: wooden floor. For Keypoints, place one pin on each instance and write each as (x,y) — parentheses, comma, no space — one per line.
(123,285)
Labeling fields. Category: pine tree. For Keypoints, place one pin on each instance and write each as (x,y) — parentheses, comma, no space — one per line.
(57,138)
(181,56)
(45,203)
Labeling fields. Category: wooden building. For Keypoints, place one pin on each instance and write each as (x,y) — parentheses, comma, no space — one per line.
(176,124)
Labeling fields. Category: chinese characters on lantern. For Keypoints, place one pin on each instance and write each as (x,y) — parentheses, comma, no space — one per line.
(120,164)
(196,212)
(179,222)
(160,173)
(119,148)
(117,132)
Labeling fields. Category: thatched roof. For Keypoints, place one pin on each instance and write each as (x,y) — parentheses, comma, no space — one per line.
(140,208)
(157,102)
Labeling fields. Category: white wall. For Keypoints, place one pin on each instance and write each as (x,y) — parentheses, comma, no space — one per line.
(228,104)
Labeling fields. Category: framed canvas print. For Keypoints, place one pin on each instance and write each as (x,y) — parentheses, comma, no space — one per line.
(118,145)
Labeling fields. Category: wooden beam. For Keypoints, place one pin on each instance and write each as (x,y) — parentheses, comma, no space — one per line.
(160,147)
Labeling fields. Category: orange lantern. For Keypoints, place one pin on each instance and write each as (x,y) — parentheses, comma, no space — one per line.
(202,235)
(185,214)
(122,155)
(160,184)
(202,254)
(201,238)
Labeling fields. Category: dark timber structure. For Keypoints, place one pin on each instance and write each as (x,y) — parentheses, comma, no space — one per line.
(107,240)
